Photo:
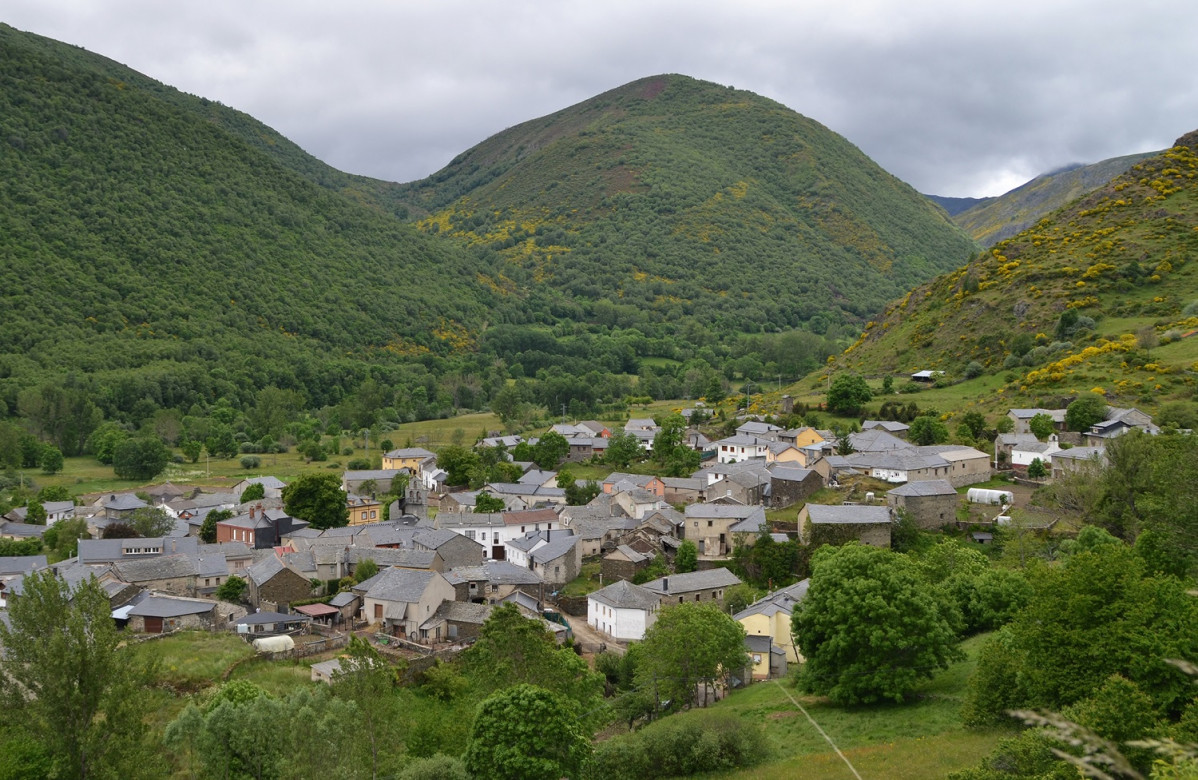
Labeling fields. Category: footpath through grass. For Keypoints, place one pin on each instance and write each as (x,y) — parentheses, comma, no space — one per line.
(922,738)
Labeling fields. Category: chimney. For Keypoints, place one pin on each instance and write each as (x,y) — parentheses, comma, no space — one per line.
(665,584)
(252,514)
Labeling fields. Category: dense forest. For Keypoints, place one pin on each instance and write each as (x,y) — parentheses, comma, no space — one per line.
(166,258)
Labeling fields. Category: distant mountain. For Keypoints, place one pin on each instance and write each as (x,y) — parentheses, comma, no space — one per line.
(159,246)
(955,206)
(991,220)
(1102,293)
(676,200)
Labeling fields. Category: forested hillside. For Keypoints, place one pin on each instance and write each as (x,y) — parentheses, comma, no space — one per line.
(672,200)
(148,253)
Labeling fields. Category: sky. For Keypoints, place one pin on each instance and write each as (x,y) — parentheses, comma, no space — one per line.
(963,98)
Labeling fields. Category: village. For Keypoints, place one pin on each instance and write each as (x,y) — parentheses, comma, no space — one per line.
(424,581)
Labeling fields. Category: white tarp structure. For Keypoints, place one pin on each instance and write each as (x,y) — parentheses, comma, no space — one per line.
(274,644)
(984,496)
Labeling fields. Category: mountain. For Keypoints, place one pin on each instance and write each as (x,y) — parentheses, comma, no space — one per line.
(993,219)
(954,206)
(159,246)
(681,200)
(1102,293)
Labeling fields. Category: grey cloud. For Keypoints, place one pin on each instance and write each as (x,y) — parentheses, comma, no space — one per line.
(955,98)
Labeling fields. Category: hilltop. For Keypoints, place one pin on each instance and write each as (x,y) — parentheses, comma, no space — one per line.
(160,246)
(990,220)
(1098,295)
(676,199)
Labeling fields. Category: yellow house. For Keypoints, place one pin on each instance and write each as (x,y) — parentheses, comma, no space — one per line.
(804,437)
(770,617)
(407,458)
(364,510)
(784,452)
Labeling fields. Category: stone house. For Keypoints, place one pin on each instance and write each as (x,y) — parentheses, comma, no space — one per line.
(930,503)
(708,585)
(839,524)
(272,582)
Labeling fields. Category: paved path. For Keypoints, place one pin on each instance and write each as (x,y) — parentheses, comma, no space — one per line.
(587,638)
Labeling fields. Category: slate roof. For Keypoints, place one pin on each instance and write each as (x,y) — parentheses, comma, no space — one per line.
(1081,453)
(692,581)
(386,556)
(925,487)
(459,612)
(21,564)
(394,584)
(890,426)
(876,440)
(848,515)
(722,511)
(630,554)
(123,502)
(434,538)
(264,569)
(626,595)
(406,453)
(343,599)
(494,572)
(167,607)
(361,475)
(555,548)
(529,517)
(21,530)
(781,600)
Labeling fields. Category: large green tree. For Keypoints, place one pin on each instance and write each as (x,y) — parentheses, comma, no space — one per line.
(317,498)
(1088,409)
(512,649)
(527,733)
(151,521)
(65,682)
(871,627)
(926,430)
(550,450)
(1095,615)
(623,448)
(690,644)
(141,459)
(848,393)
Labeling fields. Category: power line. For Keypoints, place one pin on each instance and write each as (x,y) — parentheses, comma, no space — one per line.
(823,733)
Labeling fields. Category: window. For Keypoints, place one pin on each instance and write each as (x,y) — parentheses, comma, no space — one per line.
(756,658)
(709,524)
(470,534)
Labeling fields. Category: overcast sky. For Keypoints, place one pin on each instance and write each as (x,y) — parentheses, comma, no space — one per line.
(956,97)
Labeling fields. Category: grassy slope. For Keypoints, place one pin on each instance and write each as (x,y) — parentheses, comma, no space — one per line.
(684,197)
(920,739)
(995,219)
(1123,255)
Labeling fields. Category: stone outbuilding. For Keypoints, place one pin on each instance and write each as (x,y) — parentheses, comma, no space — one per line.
(931,503)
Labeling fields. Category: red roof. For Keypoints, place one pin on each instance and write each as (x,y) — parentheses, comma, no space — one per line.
(317,610)
(530,516)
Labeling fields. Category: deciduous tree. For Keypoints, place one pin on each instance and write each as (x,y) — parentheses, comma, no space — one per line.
(65,683)
(871,627)
(527,733)
(1088,409)
(926,430)
(691,643)
(140,459)
(848,393)
(317,498)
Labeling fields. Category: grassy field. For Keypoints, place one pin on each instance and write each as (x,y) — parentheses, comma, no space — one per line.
(919,739)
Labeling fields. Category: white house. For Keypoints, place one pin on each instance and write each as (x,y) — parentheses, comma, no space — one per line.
(1024,453)
(741,447)
(622,610)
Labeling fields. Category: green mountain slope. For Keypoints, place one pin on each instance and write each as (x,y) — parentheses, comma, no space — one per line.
(678,199)
(1101,293)
(995,219)
(145,244)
